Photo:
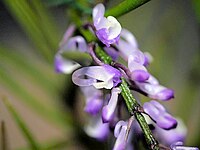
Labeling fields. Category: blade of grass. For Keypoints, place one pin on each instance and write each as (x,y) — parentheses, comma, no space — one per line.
(21,124)
(3,136)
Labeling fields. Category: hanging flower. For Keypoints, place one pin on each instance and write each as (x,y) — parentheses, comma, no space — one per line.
(97,129)
(135,64)
(154,90)
(158,113)
(94,101)
(171,136)
(99,76)
(107,29)
(64,65)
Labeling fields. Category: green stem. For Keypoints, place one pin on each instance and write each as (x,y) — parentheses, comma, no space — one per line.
(132,105)
(125,7)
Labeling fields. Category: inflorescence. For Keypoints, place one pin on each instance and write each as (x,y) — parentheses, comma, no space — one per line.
(105,107)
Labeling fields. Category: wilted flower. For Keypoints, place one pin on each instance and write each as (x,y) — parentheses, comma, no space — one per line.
(107,29)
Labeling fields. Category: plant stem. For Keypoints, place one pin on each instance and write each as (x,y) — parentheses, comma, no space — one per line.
(133,105)
(125,7)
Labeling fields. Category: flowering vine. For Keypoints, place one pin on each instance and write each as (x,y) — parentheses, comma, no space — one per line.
(111,42)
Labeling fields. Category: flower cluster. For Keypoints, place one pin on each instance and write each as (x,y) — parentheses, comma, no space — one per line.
(104,107)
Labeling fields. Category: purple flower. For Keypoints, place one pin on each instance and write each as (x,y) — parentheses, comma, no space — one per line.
(135,64)
(171,136)
(179,146)
(109,110)
(158,113)
(120,134)
(94,101)
(155,91)
(99,76)
(97,129)
(127,44)
(63,65)
(107,29)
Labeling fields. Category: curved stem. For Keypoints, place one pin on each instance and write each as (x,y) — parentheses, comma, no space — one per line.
(125,7)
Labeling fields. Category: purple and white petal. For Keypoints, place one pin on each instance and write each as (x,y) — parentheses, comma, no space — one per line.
(94,101)
(98,76)
(156,91)
(109,110)
(138,71)
(97,129)
(107,29)
(64,65)
(136,57)
(158,113)
(120,133)
(169,137)
(148,58)
(179,146)
(152,80)
(98,14)
(129,38)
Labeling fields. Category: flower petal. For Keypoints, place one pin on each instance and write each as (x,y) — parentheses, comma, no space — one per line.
(64,66)
(159,114)
(114,28)
(98,76)
(120,143)
(109,110)
(98,13)
(129,38)
(94,101)
(97,129)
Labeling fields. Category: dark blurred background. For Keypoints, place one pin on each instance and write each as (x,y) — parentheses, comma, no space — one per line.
(49,104)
